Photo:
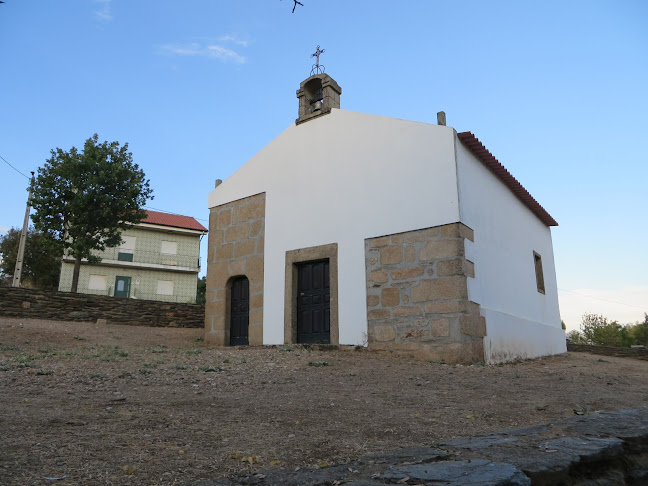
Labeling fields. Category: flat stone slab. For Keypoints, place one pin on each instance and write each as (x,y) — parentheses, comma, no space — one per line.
(364,482)
(628,425)
(478,472)
(600,449)
(584,447)
(303,477)
(412,455)
(482,442)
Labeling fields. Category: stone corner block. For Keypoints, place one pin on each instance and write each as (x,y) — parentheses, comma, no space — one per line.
(215,338)
(466,232)
(255,335)
(382,333)
(440,288)
(472,325)
(378,242)
(436,249)
(468,268)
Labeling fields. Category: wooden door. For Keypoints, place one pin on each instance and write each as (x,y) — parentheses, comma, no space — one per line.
(240,311)
(122,286)
(313,302)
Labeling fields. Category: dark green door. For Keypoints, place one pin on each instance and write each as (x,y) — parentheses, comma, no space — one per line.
(122,286)
(313,302)
(240,312)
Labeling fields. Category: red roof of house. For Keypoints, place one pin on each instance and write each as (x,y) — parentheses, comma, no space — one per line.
(477,148)
(175,220)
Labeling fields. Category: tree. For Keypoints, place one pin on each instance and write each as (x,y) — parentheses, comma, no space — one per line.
(42,260)
(597,330)
(84,199)
(576,337)
(200,290)
(640,332)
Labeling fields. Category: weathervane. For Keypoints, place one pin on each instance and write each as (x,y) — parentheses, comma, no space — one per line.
(317,68)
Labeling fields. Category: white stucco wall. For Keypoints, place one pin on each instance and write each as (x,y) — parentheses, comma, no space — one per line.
(342,178)
(521,322)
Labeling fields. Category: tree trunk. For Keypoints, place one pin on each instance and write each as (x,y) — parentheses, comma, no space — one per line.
(75,274)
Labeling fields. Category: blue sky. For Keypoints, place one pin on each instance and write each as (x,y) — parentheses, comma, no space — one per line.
(555,90)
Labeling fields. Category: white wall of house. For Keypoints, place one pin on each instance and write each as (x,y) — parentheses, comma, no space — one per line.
(145,283)
(342,178)
(174,251)
(521,322)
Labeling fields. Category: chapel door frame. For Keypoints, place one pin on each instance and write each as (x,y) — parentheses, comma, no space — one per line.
(293,258)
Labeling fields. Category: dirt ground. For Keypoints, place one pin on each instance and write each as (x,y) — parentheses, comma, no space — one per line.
(112,405)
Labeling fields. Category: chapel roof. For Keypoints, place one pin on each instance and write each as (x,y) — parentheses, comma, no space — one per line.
(478,149)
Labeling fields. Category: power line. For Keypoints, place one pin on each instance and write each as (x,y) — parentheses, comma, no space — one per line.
(605,300)
(5,160)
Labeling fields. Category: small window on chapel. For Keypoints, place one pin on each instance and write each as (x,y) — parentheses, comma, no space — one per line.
(537,260)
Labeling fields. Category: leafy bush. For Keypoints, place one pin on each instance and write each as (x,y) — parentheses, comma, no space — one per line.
(596,329)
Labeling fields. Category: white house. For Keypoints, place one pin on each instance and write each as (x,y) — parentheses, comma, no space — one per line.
(352,228)
(158,259)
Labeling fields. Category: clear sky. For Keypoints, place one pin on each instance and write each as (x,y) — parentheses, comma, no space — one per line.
(556,90)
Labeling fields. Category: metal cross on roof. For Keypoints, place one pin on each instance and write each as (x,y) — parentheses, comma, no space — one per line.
(317,68)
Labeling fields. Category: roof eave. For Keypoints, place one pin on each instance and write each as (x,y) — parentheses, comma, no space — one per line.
(478,149)
(165,227)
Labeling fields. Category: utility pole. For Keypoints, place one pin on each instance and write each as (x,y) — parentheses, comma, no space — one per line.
(23,239)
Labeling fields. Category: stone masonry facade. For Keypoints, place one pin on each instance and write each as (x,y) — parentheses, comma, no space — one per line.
(235,248)
(417,295)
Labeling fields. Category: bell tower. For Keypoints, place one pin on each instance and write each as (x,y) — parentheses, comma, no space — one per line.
(317,94)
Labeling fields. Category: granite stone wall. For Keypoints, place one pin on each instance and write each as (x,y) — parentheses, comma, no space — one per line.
(64,306)
(236,243)
(417,295)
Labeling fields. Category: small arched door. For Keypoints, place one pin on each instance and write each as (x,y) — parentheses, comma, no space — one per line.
(240,311)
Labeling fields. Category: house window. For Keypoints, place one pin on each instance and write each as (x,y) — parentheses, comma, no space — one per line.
(169,248)
(165,287)
(97,282)
(537,261)
(126,249)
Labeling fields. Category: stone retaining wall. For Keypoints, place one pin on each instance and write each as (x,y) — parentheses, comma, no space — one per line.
(64,306)
(236,243)
(417,295)
(608,351)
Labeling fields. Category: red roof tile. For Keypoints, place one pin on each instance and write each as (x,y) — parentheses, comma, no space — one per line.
(473,144)
(175,220)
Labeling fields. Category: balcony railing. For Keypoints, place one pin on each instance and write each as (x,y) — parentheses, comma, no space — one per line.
(151,257)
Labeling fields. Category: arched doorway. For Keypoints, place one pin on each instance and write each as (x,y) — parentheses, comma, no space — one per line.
(240,311)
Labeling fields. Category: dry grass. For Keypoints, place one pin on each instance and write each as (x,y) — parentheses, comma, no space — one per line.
(130,405)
